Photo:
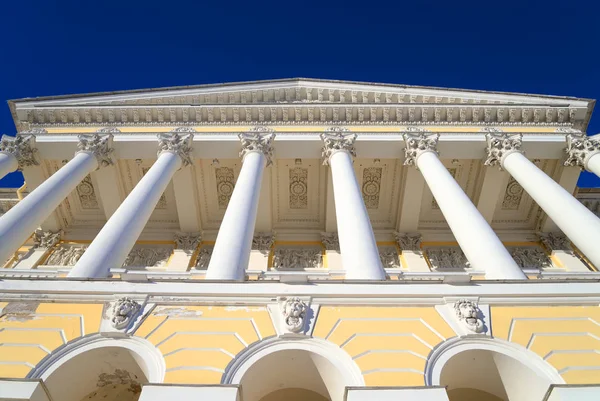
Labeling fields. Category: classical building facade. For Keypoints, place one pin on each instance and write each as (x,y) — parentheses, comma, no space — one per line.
(300,240)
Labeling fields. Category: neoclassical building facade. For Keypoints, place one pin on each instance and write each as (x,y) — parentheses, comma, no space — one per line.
(300,239)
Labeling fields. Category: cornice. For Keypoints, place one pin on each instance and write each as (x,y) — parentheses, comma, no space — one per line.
(303,113)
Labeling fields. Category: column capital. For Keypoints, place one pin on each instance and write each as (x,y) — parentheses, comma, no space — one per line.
(337,139)
(99,144)
(187,241)
(178,141)
(22,147)
(330,241)
(263,242)
(46,239)
(555,241)
(418,141)
(408,241)
(500,145)
(258,139)
(580,150)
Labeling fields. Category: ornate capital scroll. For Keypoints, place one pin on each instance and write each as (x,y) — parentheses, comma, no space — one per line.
(500,145)
(337,139)
(263,242)
(418,141)
(178,141)
(46,239)
(408,241)
(22,147)
(580,150)
(555,241)
(187,241)
(99,144)
(258,139)
(331,241)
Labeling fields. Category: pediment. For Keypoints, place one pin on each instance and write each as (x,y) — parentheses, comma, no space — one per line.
(301,101)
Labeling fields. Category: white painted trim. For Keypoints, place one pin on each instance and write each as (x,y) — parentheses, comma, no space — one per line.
(244,360)
(442,353)
(152,358)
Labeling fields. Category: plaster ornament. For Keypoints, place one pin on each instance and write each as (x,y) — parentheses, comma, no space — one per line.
(187,241)
(418,141)
(371,186)
(123,312)
(263,242)
(22,147)
(66,256)
(258,139)
(100,145)
(337,139)
(389,257)
(500,145)
(330,241)
(46,239)
(468,313)
(178,141)
(447,258)
(555,241)
(225,184)
(147,257)
(297,258)
(512,195)
(298,188)
(580,150)
(530,258)
(409,241)
(294,314)
(203,258)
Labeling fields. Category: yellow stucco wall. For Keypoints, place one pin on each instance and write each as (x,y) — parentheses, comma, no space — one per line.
(390,345)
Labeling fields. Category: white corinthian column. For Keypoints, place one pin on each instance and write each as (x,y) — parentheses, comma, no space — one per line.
(17,152)
(94,151)
(584,152)
(231,253)
(481,246)
(118,236)
(360,255)
(579,224)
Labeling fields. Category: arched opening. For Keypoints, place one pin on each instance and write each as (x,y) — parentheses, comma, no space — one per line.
(293,370)
(483,369)
(100,369)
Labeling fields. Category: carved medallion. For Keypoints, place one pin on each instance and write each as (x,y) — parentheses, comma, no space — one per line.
(512,195)
(225,185)
(86,193)
(371,186)
(298,188)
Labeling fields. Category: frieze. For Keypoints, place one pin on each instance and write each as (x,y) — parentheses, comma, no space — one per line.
(389,257)
(298,188)
(148,257)
(447,258)
(532,257)
(66,255)
(203,258)
(297,258)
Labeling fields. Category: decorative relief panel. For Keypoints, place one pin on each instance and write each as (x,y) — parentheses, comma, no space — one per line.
(371,186)
(86,193)
(66,255)
(298,188)
(297,258)
(225,185)
(530,257)
(204,257)
(162,202)
(389,257)
(148,257)
(447,258)
(513,195)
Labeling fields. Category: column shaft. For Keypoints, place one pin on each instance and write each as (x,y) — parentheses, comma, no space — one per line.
(593,164)
(231,253)
(20,221)
(8,164)
(575,220)
(118,236)
(476,238)
(360,255)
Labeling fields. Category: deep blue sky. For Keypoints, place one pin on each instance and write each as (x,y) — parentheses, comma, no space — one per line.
(67,46)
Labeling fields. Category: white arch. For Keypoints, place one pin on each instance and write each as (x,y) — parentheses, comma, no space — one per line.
(149,358)
(449,348)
